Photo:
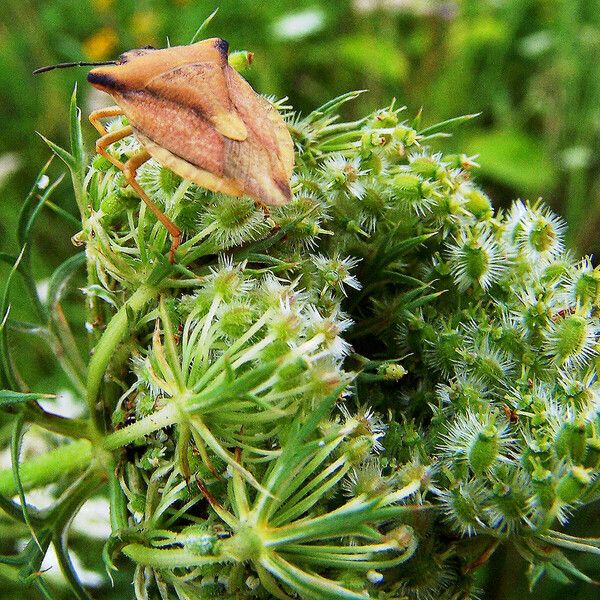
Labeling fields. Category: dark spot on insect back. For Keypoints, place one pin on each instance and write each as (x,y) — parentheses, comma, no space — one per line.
(104,80)
(223,47)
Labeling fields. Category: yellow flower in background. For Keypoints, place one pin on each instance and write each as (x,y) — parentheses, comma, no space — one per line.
(102,44)
(102,5)
(143,26)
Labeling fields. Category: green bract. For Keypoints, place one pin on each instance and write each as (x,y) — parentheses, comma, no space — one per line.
(360,394)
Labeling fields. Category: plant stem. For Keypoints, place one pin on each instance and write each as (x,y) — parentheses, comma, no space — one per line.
(166,416)
(113,335)
(49,467)
(73,428)
(168,559)
(118,502)
(77,494)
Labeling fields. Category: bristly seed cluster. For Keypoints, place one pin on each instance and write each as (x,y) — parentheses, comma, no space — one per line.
(383,372)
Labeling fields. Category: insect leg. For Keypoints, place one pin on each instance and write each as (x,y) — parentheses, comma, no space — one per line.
(129,170)
(102,143)
(103,113)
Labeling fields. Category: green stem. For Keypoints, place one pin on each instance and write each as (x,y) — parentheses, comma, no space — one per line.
(337,522)
(113,335)
(73,428)
(164,417)
(85,487)
(62,330)
(118,502)
(49,467)
(169,559)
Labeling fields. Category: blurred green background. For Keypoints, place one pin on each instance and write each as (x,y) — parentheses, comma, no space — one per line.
(530,67)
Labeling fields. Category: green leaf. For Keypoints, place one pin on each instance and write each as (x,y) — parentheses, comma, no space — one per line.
(197,36)
(13,510)
(26,228)
(567,569)
(309,586)
(260,246)
(556,574)
(9,259)
(448,124)
(162,268)
(570,542)
(42,588)
(11,398)
(28,203)
(8,371)
(61,212)
(77,151)
(11,560)
(97,291)
(230,391)
(28,328)
(66,567)
(65,156)
(49,467)
(120,538)
(294,449)
(172,354)
(15,451)
(391,250)
(61,277)
(421,301)
(33,555)
(332,105)
(27,219)
(534,574)
(401,279)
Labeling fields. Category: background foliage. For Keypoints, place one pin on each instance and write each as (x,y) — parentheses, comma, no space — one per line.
(529,67)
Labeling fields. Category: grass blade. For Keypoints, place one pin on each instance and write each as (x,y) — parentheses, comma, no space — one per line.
(15,451)
(197,36)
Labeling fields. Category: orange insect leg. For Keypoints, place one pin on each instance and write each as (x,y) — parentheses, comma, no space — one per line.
(129,170)
(106,140)
(104,113)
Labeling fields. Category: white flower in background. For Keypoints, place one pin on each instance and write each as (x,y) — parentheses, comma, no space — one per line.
(442,8)
(93,520)
(9,163)
(65,404)
(42,289)
(299,25)
(41,498)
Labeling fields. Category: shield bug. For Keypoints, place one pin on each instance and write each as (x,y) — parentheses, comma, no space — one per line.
(196,115)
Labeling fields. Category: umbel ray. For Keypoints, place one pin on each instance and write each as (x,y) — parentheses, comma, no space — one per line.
(196,115)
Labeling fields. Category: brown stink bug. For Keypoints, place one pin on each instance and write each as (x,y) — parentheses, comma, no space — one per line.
(196,115)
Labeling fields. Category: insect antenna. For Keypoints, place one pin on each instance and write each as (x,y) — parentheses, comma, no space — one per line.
(74,64)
